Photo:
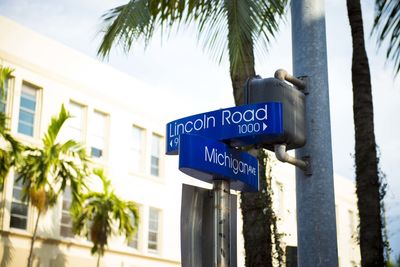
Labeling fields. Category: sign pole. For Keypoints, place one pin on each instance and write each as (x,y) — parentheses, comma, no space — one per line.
(316,222)
(221,194)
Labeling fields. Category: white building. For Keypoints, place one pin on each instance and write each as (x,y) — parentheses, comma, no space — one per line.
(125,136)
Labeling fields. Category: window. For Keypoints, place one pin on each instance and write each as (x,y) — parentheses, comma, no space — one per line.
(4,98)
(27,110)
(134,243)
(98,134)
(76,122)
(137,149)
(19,209)
(155,155)
(154,216)
(66,222)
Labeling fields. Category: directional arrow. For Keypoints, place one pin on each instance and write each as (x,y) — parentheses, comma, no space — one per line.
(244,125)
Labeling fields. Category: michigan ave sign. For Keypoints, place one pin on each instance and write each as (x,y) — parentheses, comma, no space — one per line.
(237,126)
(207,159)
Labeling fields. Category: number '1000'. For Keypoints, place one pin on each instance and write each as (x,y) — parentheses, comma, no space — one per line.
(249,128)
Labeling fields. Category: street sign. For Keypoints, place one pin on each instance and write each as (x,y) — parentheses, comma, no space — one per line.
(207,159)
(237,126)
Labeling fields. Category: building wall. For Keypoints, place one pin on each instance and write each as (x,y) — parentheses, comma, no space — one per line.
(62,75)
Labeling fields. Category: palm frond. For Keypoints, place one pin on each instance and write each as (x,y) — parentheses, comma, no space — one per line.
(387,26)
(239,21)
(125,24)
(99,211)
(10,150)
(5,74)
(55,126)
(3,123)
(50,168)
(106,182)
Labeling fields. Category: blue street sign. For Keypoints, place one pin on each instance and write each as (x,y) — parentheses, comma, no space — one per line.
(237,126)
(206,159)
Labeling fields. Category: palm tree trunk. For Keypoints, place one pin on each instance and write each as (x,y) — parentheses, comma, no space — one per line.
(256,222)
(30,258)
(368,186)
(240,73)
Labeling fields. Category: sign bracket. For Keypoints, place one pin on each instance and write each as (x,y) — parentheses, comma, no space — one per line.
(283,156)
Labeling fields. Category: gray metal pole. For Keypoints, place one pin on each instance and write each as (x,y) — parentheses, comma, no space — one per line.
(221,193)
(316,220)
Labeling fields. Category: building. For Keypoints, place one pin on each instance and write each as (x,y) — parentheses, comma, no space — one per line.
(284,187)
(125,136)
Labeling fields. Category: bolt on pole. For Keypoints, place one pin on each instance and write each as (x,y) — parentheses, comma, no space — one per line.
(221,194)
(316,220)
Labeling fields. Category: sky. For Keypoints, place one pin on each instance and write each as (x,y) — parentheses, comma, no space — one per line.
(196,83)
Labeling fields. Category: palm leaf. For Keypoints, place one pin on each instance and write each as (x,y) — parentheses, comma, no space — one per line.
(55,126)
(5,74)
(10,148)
(99,211)
(240,21)
(387,26)
(54,165)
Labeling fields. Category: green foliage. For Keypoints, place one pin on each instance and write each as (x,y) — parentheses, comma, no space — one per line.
(233,28)
(387,27)
(45,171)
(217,21)
(98,213)
(391,263)
(5,74)
(10,148)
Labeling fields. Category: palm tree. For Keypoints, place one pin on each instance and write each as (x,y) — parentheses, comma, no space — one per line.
(46,171)
(99,211)
(369,187)
(387,23)
(232,26)
(9,147)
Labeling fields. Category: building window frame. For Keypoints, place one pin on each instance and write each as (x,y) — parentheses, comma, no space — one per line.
(156,155)
(72,127)
(27,110)
(17,202)
(135,243)
(154,230)
(137,149)
(66,218)
(98,151)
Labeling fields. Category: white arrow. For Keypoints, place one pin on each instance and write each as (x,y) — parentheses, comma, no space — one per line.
(170,143)
(264,126)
